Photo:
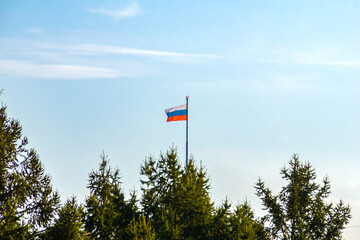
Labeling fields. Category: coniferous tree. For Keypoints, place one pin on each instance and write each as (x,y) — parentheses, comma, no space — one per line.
(175,200)
(141,229)
(159,193)
(221,225)
(68,225)
(126,211)
(27,201)
(108,214)
(194,203)
(300,210)
(244,225)
(237,224)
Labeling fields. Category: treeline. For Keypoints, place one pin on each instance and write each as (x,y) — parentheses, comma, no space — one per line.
(174,202)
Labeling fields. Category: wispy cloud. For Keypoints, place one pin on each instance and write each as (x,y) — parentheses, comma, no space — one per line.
(129,11)
(91,49)
(54,71)
(57,49)
(30,59)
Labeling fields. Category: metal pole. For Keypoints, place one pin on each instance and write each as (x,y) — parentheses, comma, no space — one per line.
(187,129)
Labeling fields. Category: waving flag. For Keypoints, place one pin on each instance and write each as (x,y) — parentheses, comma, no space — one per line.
(178,113)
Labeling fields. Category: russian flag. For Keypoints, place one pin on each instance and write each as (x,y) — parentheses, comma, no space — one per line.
(178,113)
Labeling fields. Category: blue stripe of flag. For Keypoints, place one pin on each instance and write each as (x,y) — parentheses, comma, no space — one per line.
(176,113)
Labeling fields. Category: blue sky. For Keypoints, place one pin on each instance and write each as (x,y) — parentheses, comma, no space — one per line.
(266,79)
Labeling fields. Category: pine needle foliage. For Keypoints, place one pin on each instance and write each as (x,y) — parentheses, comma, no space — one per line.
(140,229)
(237,224)
(68,225)
(107,214)
(175,200)
(27,200)
(300,211)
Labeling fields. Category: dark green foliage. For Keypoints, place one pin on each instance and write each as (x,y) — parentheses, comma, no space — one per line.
(159,199)
(300,210)
(27,201)
(194,203)
(240,224)
(244,225)
(176,201)
(107,214)
(141,230)
(68,225)
(221,226)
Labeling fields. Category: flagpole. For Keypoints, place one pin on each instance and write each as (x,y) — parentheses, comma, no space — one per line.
(187,129)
